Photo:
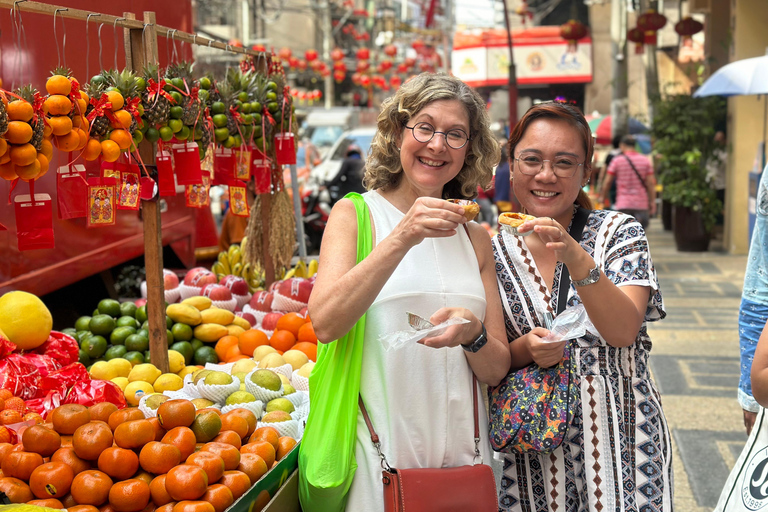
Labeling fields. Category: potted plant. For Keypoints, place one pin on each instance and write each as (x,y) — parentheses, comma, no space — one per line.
(684,129)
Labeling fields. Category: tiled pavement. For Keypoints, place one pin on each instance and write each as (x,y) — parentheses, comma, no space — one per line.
(695,363)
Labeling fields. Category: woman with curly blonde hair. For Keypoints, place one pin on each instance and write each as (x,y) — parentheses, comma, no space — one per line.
(433,143)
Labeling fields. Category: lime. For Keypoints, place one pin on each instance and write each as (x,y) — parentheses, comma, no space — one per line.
(256,108)
(115,352)
(203,94)
(83,323)
(102,324)
(238,141)
(176,95)
(168,320)
(169,337)
(183,133)
(196,344)
(134,358)
(165,133)
(218,107)
(152,135)
(136,343)
(109,307)
(84,359)
(272,86)
(141,84)
(80,336)
(127,321)
(247,119)
(205,355)
(229,143)
(120,334)
(271,96)
(70,330)
(246,108)
(175,125)
(177,82)
(176,112)
(128,309)
(205,83)
(168,86)
(242,96)
(137,137)
(184,348)
(95,346)
(141,314)
(220,120)
(145,326)
(147,356)
(273,107)
(221,134)
(181,332)
(95,312)
(237,104)
(143,332)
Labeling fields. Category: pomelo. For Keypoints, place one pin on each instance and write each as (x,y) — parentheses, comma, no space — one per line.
(24,319)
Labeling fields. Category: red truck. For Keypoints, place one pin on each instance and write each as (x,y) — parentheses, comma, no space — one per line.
(81,252)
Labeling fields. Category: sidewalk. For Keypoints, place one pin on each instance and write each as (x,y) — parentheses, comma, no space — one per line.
(695,363)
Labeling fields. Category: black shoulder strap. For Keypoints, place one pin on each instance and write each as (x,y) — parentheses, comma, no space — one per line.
(642,181)
(577,228)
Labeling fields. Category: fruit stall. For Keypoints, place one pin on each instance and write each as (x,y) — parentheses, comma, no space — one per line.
(193,397)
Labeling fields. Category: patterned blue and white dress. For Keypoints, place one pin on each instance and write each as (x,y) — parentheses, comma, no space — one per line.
(618,454)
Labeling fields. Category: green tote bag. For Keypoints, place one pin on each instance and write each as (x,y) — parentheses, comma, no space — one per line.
(327,453)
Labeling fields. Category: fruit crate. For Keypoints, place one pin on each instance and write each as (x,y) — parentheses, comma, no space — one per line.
(263,491)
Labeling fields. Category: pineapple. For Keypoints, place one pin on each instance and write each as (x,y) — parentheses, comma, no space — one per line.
(157,108)
(95,88)
(191,107)
(125,83)
(28,92)
(3,118)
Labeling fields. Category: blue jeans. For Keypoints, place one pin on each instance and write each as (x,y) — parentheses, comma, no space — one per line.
(752,319)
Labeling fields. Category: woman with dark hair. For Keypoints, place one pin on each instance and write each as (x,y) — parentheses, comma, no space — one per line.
(617,454)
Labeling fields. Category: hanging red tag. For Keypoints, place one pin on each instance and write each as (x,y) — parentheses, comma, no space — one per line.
(196,195)
(186,158)
(34,222)
(71,191)
(238,203)
(165,180)
(223,166)
(128,189)
(261,174)
(285,149)
(101,202)
(111,170)
(148,188)
(243,161)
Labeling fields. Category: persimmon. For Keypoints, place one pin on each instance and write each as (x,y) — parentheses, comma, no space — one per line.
(67,455)
(228,453)
(176,413)
(129,495)
(229,437)
(51,480)
(263,449)
(235,422)
(91,439)
(253,466)
(220,496)
(159,458)
(123,415)
(91,487)
(19,464)
(158,491)
(134,434)
(186,482)
(66,418)
(182,438)
(237,481)
(15,490)
(102,411)
(212,464)
(119,463)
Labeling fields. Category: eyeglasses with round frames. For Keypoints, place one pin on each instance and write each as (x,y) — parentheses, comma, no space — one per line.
(423,132)
(531,164)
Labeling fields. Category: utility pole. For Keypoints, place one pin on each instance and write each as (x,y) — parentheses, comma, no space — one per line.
(327,40)
(619,101)
(512,75)
(651,66)
(448,35)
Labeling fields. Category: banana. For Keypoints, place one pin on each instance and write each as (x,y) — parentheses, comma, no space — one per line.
(237,268)
(312,269)
(235,258)
(300,270)
(223,260)
(246,273)
(243,242)
(233,249)
(217,268)
(289,274)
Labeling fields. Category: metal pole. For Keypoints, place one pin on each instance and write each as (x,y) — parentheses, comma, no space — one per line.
(512,75)
(619,101)
(297,211)
(327,37)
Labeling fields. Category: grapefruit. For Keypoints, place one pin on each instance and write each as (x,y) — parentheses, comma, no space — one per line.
(24,319)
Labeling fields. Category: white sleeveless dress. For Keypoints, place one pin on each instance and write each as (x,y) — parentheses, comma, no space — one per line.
(418,398)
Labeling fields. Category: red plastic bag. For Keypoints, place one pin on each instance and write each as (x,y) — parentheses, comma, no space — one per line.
(63,348)
(44,364)
(62,379)
(94,392)
(19,376)
(43,406)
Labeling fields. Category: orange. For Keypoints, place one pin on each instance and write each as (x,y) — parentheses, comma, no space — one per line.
(51,480)
(3,149)
(5,394)
(66,418)
(159,430)
(16,490)
(68,142)
(122,138)
(129,496)
(237,481)
(263,449)
(285,445)
(233,353)
(29,172)
(20,110)
(224,344)
(8,170)
(307,333)
(186,482)
(229,437)
(176,413)
(5,449)
(83,138)
(310,349)
(250,339)
(119,463)
(166,508)
(210,462)
(48,503)
(47,149)
(269,434)
(159,458)
(291,322)
(18,464)
(235,422)
(182,438)
(116,99)
(57,105)
(219,496)
(123,415)
(68,456)
(23,154)
(44,165)
(42,440)
(123,120)
(158,491)
(101,411)
(145,476)
(91,487)
(261,501)
(82,508)
(91,439)
(282,340)
(253,466)
(60,125)
(81,105)
(68,500)
(247,415)
(110,150)
(193,506)
(134,434)
(58,84)
(228,453)
(92,150)
(19,132)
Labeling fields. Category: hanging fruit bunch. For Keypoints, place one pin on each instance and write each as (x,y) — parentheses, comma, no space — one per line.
(6,171)
(114,114)
(24,136)
(191,110)
(64,115)
(157,104)
(232,108)
(265,92)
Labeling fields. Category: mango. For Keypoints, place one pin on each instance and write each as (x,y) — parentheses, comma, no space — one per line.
(184,313)
(234,330)
(198,302)
(217,316)
(242,322)
(210,333)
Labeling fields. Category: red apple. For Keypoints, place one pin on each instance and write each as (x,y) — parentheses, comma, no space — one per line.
(262,301)
(274,286)
(247,317)
(304,311)
(140,302)
(216,292)
(199,277)
(170,280)
(269,322)
(296,288)
(236,284)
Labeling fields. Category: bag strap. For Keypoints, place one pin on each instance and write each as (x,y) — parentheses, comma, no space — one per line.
(577,228)
(642,181)
(377,443)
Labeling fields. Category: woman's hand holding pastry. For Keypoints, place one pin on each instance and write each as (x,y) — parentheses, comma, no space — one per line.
(429,217)
(454,335)
(544,354)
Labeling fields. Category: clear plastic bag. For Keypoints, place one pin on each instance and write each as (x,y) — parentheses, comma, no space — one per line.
(570,324)
(399,339)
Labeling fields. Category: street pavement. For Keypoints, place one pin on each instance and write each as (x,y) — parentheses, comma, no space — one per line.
(695,363)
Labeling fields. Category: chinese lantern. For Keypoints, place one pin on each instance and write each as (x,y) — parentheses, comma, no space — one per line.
(337,54)
(302,95)
(402,68)
(365,81)
(310,55)
(363,36)
(339,75)
(258,48)
(418,45)
(363,54)
(360,12)
(390,50)
(395,81)
(293,62)
(362,66)
(386,65)
(317,94)
(339,66)
(235,43)
(638,37)
(409,62)
(316,65)
(687,27)
(572,31)
(302,65)
(285,53)
(356,78)
(650,23)
(325,72)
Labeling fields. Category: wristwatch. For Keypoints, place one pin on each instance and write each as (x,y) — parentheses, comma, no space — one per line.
(592,277)
(478,343)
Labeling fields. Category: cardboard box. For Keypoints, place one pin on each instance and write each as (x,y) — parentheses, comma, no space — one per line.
(287,497)
(267,487)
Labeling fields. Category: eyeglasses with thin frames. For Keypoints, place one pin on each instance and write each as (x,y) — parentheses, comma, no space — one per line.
(531,163)
(423,132)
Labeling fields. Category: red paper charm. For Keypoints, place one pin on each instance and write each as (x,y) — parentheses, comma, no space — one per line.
(285,150)
(262,174)
(196,195)
(223,166)
(34,222)
(128,190)
(101,202)
(243,162)
(238,203)
(71,191)
(187,163)
(165,179)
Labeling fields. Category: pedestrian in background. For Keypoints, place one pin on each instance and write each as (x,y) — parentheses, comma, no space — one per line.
(501,182)
(635,182)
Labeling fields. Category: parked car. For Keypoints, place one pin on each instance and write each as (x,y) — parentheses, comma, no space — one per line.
(331,163)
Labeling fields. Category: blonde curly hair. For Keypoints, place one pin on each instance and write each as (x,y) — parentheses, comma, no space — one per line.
(383,169)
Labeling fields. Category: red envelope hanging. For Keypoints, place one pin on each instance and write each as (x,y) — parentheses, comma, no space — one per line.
(101,202)
(148,188)
(111,170)
(243,161)
(128,189)
(285,149)
(262,173)
(238,203)
(34,222)
(186,159)
(196,195)
(165,179)
(223,166)
(71,191)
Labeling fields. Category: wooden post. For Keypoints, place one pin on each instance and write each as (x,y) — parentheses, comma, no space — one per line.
(141,49)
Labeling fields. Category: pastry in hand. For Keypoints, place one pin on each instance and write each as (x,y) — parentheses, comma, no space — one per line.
(511,221)
(471,208)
